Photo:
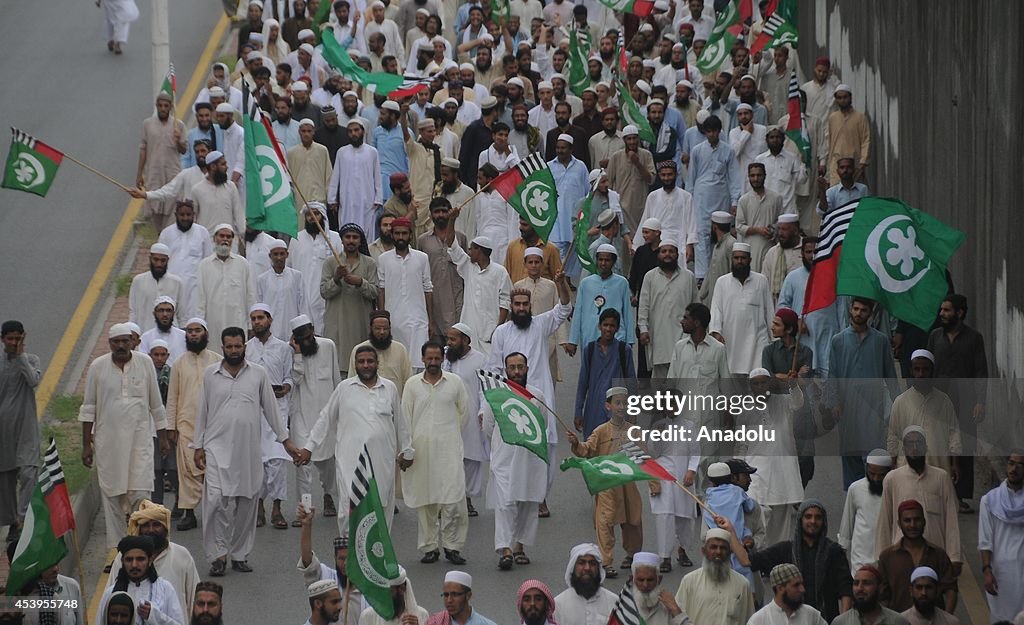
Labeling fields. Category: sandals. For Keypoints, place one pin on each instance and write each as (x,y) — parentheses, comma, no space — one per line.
(666,565)
(521,558)
(470,510)
(610,572)
(505,562)
(542,510)
(627,562)
(279,522)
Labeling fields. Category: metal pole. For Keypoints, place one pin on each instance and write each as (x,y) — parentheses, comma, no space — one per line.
(161,44)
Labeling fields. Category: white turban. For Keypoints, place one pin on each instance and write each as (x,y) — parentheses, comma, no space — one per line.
(584,549)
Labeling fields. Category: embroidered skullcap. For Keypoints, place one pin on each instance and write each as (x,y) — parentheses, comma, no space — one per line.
(721,217)
(719,533)
(759,372)
(740,246)
(909,504)
(450,163)
(606,248)
(426,122)
(321,587)
(391,105)
(401,222)
(789,218)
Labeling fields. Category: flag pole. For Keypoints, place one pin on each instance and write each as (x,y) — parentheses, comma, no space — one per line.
(81,571)
(97,172)
(696,498)
(348,593)
(470,198)
(549,409)
(319,226)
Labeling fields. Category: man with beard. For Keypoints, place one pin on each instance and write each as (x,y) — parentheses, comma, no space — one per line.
(208,606)
(389,138)
(121,426)
(216,198)
(585,600)
(359,198)
(673,208)
(630,172)
(148,286)
(515,259)
(425,158)
(384,242)
(655,608)
(589,120)
(535,604)
(457,593)
(784,170)
(999,540)
(484,70)
(898,561)
(349,291)
(924,405)
(716,184)
(280,288)
(821,563)
(315,374)
(444,274)
(516,89)
(564,126)
(860,513)
(236,398)
(163,143)
(608,141)
(742,328)
(685,102)
(757,212)
(785,255)
(164,330)
(154,597)
(189,243)
(476,139)
(182,399)
(665,291)
(606,52)
(227,287)
(788,605)
(172,561)
(747,139)
(400,204)
(315,571)
(407,272)
(307,252)
(867,584)
(205,130)
(846,189)
(821,324)
(310,163)
(181,185)
(666,138)
(925,611)
(369,407)
(848,134)
(927,484)
(489,284)
(330,134)
(407,611)
(464,361)
(715,593)
(572,175)
(458,194)
(392,357)
(325,602)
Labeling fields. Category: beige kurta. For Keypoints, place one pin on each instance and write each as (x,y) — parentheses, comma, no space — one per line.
(182,398)
(544,297)
(226,291)
(625,177)
(935,414)
(348,307)
(663,299)
(724,603)
(392,363)
(775,271)
(422,179)
(934,491)
(126,410)
(163,160)
(847,134)
(434,415)
(311,172)
(217,205)
(448,284)
(760,211)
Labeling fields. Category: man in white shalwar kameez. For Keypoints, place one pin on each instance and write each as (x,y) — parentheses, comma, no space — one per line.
(121,413)
(434,404)
(216,199)
(860,512)
(404,608)
(257,250)
(1001,541)
(674,511)
(148,286)
(742,312)
(585,601)
(464,361)
(315,374)
(354,190)
(237,398)
(665,293)
(189,243)
(155,600)
(371,410)
(307,253)
(281,288)
(673,207)
(119,17)
(164,312)
(487,288)
(405,290)
(226,286)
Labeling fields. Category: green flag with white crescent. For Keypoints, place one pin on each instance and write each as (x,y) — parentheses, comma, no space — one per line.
(31,164)
(518,419)
(579,52)
(632,114)
(269,204)
(371,564)
(727,29)
(604,472)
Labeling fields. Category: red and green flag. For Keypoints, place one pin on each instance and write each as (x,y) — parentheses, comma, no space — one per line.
(640,8)
(777,31)
(530,188)
(31,164)
(727,30)
(795,129)
(170,84)
(371,563)
(625,611)
(604,472)
(519,420)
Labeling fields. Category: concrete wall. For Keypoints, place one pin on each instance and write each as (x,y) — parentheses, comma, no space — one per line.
(943,85)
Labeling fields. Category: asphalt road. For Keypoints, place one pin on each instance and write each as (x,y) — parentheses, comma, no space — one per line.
(65,88)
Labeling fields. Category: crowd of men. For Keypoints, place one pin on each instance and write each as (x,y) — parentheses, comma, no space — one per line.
(248,352)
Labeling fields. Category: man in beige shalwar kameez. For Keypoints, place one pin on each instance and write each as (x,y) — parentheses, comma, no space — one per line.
(163,143)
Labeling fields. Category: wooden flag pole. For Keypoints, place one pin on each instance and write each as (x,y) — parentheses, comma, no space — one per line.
(97,172)
(81,571)
(470,198)
(696,498)
(319,226)
(549,409)
(348,593)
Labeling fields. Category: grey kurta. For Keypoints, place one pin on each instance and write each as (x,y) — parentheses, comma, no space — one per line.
(19,431)
(448,284)
(347,313)
(163,161)
(721,264)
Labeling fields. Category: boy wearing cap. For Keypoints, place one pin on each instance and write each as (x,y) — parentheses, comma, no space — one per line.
(609,227)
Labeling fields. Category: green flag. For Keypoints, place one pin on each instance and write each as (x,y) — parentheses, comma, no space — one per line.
(897,255)
(604,472)
(530,188)
(518,419)
(323,14)
(31,164)
(580,236)
(631,113)
(268,194)
(170,84)
(579,51)
(777,31)
(727,29)
(378,82)
(500,11)
(371,563)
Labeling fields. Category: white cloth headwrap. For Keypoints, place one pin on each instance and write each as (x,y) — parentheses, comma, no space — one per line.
(583,549)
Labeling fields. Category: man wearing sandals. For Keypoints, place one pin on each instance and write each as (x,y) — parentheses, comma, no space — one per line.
(585,600)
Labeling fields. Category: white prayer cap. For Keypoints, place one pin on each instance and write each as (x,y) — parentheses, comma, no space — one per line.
(427,122)
(300,85)
(159,248)
(789,218)
(252,56)
(911,429)
(606,217)
(119,329)
(260,306)
(463,328)
(482,241)
(644,86)
(321,587)
(703,115)
(678,46)
(307,122)
(391,105)
(544,84)
(565,137)
(308,49)
(488,103)
(533,251)
(584,549)
(656,101)
(350,94)
(220,227)
(721,217)
(923,571)
(719,533)
(743,106)
(651,223)
(645,558)
(423,12)
(254,36)
(459,577)
(448,101)
(298,322)
(467,66)
(602,83)
(214,156)
(739,246)
(879,458)
(654,64)
(401,579)
(645,28)
(746,76)
(450,163)
(759,372)
(165,299)
(595,175)
(606,248)
(719,469)
(923,353)
(616,390)
(217,91)
(438,39)
(686,83)
(304,33)
(158,343)
(224,107)
(355,120)
(271,23)
(278,244)
(630,130)
(669,243)
(197,320)
(843,87)
(487,37)
(258,3)
(558,75)
(425,45)
(377,3)
(134,328)
(515,80)
(661,5)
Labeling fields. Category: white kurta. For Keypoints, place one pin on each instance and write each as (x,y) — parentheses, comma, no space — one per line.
(276,357)
(487,292)
(663,299)
(175,565)
(119,16)
(777,480)
(226,291)
(143,293)
(772,614)
(517,474)
(217,205)
(405,281)
(175,342)
(742,313)
(677,457)
(474,445)
(188,249)
(125,409)
(857,528)
(229,426)
(307,254)
(747,146)
(572,609)
(284,294)
(165,609)
(257,252)
(313,381)
(494,218)
(355,186)
(435,414)
(180,186)
(1006,542)
(675,212)
(784,172)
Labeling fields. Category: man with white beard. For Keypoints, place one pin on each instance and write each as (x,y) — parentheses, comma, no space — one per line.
(585,601)
(307,253)
(464,361)
(189,243)
(656,607)
(226,285)
(715,593)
